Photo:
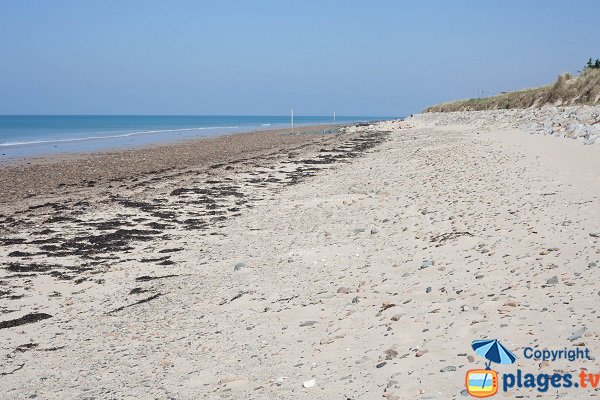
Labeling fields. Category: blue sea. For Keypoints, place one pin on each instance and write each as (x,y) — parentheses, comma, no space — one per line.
(32,135)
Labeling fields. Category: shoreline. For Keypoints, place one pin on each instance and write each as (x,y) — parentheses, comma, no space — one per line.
(52,174)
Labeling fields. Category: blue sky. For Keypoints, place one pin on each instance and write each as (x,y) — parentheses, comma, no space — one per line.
(247,57)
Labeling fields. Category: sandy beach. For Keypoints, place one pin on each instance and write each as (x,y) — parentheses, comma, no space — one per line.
(352,265)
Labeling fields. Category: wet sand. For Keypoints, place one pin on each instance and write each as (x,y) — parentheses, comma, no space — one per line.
(55,174)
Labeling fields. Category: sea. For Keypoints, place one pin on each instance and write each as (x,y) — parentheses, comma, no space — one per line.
(36,135)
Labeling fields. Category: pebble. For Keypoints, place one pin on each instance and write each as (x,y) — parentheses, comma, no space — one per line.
(390,353)
(426,264)
(449,368)
(577,334)
(552,281)
(381,364)
(309,384)
(239,266)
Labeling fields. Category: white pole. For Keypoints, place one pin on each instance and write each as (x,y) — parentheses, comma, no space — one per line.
(292,120)
(334,117)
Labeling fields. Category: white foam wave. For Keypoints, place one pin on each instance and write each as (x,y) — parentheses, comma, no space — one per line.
(67,140)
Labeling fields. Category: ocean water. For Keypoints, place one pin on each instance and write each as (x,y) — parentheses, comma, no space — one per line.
(32,135)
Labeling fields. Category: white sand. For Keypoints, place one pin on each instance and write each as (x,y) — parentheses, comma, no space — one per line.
(342,273)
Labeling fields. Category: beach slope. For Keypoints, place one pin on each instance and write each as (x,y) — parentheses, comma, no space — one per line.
(367,274)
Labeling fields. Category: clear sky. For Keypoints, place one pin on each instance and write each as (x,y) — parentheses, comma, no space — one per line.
(246,57)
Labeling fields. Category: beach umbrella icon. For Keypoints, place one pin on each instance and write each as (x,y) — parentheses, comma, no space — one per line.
(493,351)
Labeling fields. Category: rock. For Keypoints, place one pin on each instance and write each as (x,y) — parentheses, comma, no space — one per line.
(343,290)
(396,317)
(577,334)
(374,231)
(428,290)
(470,358)
(309,384)
(420,353)
(239,266)
(593,264)
(595,234)
(552,281)
(390,354)
(449,368)
(426,264)
(308,323)
(381,364)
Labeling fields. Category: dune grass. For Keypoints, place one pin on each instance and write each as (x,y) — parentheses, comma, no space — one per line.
(567,90)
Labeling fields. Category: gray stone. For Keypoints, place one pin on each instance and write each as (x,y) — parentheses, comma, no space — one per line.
(577,334)
(552,281)
(239,266)
(449,368)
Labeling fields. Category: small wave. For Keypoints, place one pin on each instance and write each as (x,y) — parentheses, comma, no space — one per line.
(66,140)
(265,124)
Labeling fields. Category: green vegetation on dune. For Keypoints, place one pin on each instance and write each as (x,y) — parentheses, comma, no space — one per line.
(566,91)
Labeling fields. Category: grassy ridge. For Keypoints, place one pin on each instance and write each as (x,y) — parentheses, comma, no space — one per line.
(567,90)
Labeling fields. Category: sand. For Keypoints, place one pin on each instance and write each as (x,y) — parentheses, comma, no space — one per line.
(357,266)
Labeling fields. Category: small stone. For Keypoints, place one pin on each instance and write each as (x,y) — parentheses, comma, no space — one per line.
(239,266)
(428,290)
(426,264)
(552,281)
(390,354)
(449,368)
(577,334)
(420,353)
(309,384)
(381,364)
(470,358)
(396,317)
(343,290)
(374,231)
(593,264)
